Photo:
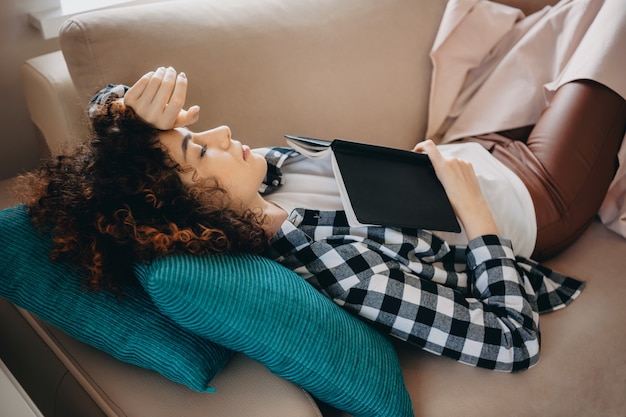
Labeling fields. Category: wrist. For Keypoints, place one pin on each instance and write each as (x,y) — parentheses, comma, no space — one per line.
(479,221)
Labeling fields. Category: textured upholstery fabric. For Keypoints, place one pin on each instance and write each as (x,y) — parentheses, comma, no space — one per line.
(130,328)
(258,307)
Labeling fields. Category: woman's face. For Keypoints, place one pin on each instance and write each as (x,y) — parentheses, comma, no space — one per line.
(213,154)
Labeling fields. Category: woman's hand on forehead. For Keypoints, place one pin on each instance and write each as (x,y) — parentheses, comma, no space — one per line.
(158,98)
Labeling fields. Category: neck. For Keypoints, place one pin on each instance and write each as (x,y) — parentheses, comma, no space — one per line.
(274,215)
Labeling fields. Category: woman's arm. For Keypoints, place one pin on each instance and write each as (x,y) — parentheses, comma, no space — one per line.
(158,98)
(480,311)
(460,182)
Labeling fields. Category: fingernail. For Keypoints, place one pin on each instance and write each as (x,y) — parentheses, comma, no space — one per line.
(182,75)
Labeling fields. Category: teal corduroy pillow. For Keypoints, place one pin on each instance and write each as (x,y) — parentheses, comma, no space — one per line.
(131,328)
(256,306)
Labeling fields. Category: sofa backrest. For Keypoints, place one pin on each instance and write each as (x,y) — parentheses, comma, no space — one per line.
(357,69)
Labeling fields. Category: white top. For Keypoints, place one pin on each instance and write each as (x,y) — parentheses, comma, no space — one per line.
(507,197)
(310,184)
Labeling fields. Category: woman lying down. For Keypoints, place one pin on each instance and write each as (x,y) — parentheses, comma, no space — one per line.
(146,186)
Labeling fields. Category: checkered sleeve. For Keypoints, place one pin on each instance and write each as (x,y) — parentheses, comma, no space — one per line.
(491,324)
(504,305)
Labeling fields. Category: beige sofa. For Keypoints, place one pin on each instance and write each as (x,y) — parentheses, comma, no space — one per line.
(351,68)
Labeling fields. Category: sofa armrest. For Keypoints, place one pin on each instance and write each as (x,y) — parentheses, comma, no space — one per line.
(53,102)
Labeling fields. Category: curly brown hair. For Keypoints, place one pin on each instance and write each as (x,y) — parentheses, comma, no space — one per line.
(119,199)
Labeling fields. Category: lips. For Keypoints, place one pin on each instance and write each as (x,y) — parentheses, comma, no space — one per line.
(245,150)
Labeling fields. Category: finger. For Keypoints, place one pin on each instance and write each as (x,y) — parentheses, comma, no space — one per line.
(419,147)
(193,115)
(138,88)
(424,145)
(164,92)
(153,85)
(177,98)
(187,117)
(429,148)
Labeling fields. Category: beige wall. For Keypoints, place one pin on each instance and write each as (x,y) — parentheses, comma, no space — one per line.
(19,146)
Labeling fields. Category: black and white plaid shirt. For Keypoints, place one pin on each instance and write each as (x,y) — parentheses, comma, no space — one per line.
(478,304)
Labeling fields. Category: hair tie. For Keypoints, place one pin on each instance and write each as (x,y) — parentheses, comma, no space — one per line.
(104,97)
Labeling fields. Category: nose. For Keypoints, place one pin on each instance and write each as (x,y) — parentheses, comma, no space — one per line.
(219,137)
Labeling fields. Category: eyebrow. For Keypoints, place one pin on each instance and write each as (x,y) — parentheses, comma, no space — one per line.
(185,144)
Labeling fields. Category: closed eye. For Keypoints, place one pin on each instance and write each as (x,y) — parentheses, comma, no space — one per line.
(202,151)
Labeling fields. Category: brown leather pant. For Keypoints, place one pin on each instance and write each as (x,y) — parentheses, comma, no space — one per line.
(567,160)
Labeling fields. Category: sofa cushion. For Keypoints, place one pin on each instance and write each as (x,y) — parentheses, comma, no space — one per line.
(130,328)
(256,306)
(317,68)
(263,310)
